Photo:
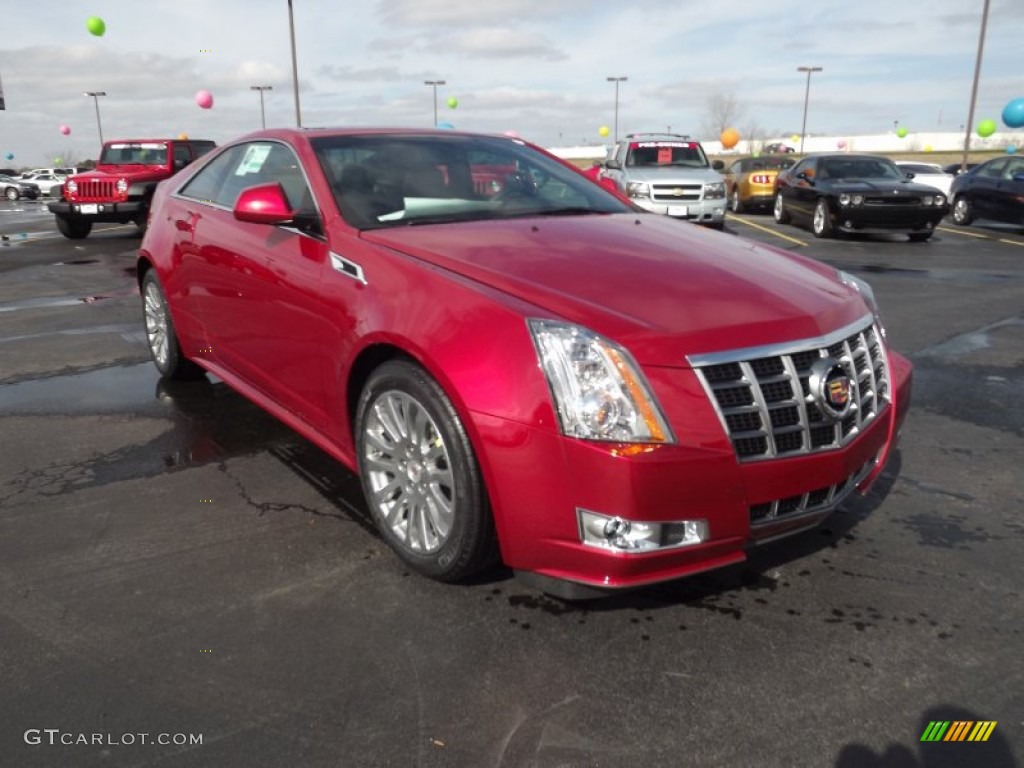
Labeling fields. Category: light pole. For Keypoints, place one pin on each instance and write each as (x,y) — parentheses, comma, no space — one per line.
(974,87)
(434,84)
(295,67)
(95,98)
(261,89)
(616,80)
(807,96)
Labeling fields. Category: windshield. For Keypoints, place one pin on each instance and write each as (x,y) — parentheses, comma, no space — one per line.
(859,168)
(399,180)
(645,154)
(752,164)
(137,153)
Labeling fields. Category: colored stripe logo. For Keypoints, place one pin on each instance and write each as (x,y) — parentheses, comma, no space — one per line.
(958,730)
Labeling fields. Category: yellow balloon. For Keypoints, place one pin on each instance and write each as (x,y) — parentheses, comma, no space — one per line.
(182,137)
(795,137)
(604,130)
(927,147)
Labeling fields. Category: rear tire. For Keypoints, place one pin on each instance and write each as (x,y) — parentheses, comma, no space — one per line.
(12,194)
(73,229)
(821,224)
(420,476)
(779,210)
(963,211)
(160,334)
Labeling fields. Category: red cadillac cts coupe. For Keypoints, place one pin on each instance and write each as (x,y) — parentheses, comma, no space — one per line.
(516,362)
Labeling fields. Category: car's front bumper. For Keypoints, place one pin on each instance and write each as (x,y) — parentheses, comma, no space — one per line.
(699,211)
(883,219)
(697,479)
(104,211)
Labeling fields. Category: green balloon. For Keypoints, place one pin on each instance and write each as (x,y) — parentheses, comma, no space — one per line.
(901,132)
(986,128)
(95,26)
(452,102)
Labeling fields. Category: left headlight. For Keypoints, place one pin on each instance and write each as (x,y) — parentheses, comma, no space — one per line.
(598,389)
(714,191)
(866,292)
(122,185)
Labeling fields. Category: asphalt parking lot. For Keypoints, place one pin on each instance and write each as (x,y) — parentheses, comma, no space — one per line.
(174,562)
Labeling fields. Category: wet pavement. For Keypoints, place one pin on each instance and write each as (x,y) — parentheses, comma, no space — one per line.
(173,560)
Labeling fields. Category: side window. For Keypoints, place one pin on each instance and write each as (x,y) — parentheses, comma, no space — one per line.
(803,167)
(993,170)
(281,165)
(182,156)
(209,185)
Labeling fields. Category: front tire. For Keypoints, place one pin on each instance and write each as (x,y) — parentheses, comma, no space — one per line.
(821,224)
(779,210)
(420,476)
(73,229)
(735,204)
(963,211)
(12,194)
(160,333)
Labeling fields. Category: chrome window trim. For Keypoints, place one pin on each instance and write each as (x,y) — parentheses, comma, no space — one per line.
(780,348)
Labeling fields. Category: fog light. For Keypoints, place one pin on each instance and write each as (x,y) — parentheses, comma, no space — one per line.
(631,536)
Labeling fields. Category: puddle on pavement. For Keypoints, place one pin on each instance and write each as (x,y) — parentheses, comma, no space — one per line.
(208,421)
(949,275)
(43,302)
(76,262)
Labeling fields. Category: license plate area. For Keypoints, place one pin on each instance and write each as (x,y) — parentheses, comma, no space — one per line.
(678,210)
(88,208)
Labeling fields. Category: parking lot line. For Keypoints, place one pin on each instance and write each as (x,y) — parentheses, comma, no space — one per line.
(766,229)
(963,232)
(1011,242)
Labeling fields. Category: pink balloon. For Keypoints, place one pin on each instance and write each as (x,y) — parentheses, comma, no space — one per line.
(841,143)
(204,99)
(65,130)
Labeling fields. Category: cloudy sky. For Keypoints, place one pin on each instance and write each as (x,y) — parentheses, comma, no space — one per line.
(538,67)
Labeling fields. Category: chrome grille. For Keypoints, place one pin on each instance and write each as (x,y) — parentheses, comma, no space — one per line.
(763,397)
(95,190)
(812,502)
(676,193)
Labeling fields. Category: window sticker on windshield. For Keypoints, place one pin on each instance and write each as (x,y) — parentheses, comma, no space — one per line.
(138,145)
(255,156)
(659,144)
(664,155)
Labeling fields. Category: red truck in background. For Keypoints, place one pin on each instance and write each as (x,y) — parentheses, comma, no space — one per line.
(121,186)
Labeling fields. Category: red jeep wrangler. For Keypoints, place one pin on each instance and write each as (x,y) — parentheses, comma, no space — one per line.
(121,186)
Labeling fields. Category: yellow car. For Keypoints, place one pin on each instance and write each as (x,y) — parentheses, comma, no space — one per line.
(750,182)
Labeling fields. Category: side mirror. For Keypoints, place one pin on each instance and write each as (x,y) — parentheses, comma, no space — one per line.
(613,164)
(263,204)
(804,177)
(717,165)
(909,174)
(1018,176)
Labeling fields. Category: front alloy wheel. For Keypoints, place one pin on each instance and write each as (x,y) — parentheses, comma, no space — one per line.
(822,222)
(420,476)
(11,193)
(735,204)
(963,213)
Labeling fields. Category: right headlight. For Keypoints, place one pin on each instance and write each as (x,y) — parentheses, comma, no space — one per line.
(865,292)
(638,189)
(598,389)
(72,186)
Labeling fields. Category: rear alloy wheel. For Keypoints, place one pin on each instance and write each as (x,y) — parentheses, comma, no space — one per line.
(160,335)
(963,211)
(779,210)
(821,224)
(74,229)
(735,204)
(11,193)
(420,476)
(919,237)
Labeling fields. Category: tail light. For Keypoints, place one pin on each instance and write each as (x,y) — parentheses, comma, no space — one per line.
(762,178)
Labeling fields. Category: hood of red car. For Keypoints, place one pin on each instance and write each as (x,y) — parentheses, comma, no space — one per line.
(663,288)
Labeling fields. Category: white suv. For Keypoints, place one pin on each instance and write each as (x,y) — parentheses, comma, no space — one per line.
(669,174)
